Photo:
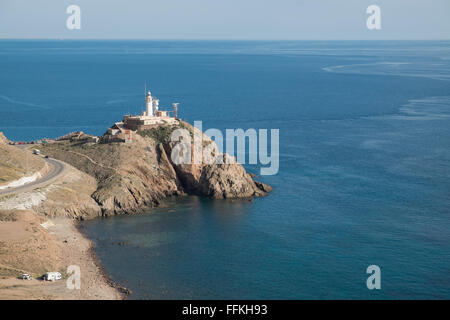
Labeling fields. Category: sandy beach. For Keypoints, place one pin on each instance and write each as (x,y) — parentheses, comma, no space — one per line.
(38,234)
(60,245)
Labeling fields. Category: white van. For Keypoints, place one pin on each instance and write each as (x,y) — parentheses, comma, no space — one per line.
(26,276)
(36,151)
(52,276)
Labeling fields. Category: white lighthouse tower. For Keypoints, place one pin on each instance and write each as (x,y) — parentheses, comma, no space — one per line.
(149,104)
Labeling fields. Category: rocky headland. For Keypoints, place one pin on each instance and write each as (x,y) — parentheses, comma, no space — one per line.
(133,177)
(102,177)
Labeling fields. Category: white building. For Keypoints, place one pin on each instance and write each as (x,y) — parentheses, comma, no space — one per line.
(151,105)
(151,116)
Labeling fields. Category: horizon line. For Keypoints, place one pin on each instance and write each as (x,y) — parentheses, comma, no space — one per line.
(218,39)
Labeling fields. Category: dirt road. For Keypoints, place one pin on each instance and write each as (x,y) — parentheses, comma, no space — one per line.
(57,168)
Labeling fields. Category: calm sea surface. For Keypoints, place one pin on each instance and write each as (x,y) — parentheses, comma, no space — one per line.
(364,161)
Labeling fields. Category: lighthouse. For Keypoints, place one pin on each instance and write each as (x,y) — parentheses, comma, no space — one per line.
(150,117)
(149,104)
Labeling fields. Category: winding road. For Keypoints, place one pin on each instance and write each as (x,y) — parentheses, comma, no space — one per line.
(57,168)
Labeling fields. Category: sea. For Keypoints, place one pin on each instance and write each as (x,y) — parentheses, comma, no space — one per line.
(364,173)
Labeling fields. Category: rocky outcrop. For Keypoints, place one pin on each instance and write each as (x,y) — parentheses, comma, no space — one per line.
(222,179)
(3,139)
(227,180)
(264,187)
(133,177)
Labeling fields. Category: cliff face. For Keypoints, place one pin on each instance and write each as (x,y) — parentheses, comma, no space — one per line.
(144,177)
(218,180)
(226,180)
(133,177)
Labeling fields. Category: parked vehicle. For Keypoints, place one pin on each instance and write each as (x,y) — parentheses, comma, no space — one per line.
(26,276)
(52,276)
(36,151)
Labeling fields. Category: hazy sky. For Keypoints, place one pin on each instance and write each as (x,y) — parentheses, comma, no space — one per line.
(226,19)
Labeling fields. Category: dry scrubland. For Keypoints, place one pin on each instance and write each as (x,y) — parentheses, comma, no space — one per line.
(27,247)
(16,163)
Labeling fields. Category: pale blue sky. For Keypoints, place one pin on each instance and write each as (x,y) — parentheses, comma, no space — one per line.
(225,19)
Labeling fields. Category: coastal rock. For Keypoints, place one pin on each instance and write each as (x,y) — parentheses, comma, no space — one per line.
(133,177)
(3,139)
(264,187)
(226,179)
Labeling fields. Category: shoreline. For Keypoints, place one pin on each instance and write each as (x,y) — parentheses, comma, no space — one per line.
(101,181)
(121,290)
(74,249)
(95,282)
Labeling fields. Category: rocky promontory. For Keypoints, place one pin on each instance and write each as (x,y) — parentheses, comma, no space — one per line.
(132,177)
(101,176)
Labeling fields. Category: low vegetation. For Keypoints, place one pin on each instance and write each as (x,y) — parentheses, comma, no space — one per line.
(16,163)
(160,134)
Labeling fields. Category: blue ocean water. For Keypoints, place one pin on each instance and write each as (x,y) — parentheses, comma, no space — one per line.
(364,161)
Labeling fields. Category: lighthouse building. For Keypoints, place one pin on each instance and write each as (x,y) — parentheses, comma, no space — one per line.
(152,116)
